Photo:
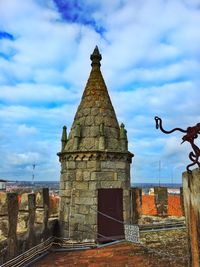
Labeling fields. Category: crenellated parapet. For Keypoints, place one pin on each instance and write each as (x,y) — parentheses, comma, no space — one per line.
(24,221)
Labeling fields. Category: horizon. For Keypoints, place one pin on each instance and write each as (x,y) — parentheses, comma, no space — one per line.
(150,63)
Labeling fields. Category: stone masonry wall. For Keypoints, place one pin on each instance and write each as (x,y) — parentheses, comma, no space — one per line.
(80,181)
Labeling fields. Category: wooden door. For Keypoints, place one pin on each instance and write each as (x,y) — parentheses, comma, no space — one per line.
(110,202)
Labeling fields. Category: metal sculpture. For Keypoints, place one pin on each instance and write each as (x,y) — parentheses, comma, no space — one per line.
(190,136)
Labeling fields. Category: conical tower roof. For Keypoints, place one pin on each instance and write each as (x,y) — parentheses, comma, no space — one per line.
(95,125)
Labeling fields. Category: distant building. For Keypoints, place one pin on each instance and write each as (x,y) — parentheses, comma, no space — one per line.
(2,185)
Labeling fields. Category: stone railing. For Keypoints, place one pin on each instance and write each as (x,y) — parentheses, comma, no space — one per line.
(25,221)
(160,203)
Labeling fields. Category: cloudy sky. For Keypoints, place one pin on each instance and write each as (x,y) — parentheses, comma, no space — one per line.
(151,65)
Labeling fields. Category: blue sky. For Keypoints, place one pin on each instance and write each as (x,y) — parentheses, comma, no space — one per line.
(151,65)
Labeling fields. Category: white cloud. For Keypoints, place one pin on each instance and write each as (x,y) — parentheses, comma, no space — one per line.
(23,129)
(23,159)
(36,93)
(150,63)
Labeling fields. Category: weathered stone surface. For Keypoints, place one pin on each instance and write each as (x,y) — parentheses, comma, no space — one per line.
(108,165)
(80,185)
(86,111)
(93,164)
(122,176)
(111,184)
(86,175)
(91,219)
(65,193)
(83,209)
(108,176)
(92,185)
(89,121)
(88,193)
(78,218)
(85,200)
(70,165)
(68,176)
(81,165)
(94,111)
(79,175)
(86,132)
(121,165)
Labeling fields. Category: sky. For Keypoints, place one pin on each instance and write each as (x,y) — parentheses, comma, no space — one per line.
(151,65)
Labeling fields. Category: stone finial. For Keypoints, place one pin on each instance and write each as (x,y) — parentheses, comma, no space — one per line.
(96,57)
(64,137)
(123,132)
(123,138)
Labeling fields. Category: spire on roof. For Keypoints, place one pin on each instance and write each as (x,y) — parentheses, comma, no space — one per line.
(96,57)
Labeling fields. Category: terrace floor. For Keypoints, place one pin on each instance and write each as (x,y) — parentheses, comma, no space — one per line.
(158,249)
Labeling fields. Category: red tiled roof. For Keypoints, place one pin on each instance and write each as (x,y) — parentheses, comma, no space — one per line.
(118,255)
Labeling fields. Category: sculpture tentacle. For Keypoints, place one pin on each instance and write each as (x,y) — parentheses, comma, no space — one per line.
(191,134)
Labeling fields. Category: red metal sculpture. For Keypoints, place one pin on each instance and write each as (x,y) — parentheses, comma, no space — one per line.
(190,136)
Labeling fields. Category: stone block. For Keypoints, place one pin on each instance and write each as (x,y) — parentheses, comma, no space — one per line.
(88,143)
(68,185)
(80,185)
(83,209)
(125,184)
(123,175)
(79,175)
(94,111)
(98,120)
(89,121)
(113,143)
(102,176)
(85,132)
(108,165)
(86,175)
(62,185)
(68,176)
(113,132)
(86,111)
(126,192)
(65,193)
(92,185)
(77,218)
(71,165)
(94,131)
(88,193)
(91,219)
(121,165)
(84,200)
(111,184)
(93,164)
(81,164)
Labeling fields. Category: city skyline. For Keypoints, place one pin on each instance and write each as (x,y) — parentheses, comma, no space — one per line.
(150,63)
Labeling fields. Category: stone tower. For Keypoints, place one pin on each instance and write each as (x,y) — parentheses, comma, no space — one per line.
(95,165)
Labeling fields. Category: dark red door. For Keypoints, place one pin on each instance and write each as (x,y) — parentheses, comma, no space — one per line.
(110,202)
